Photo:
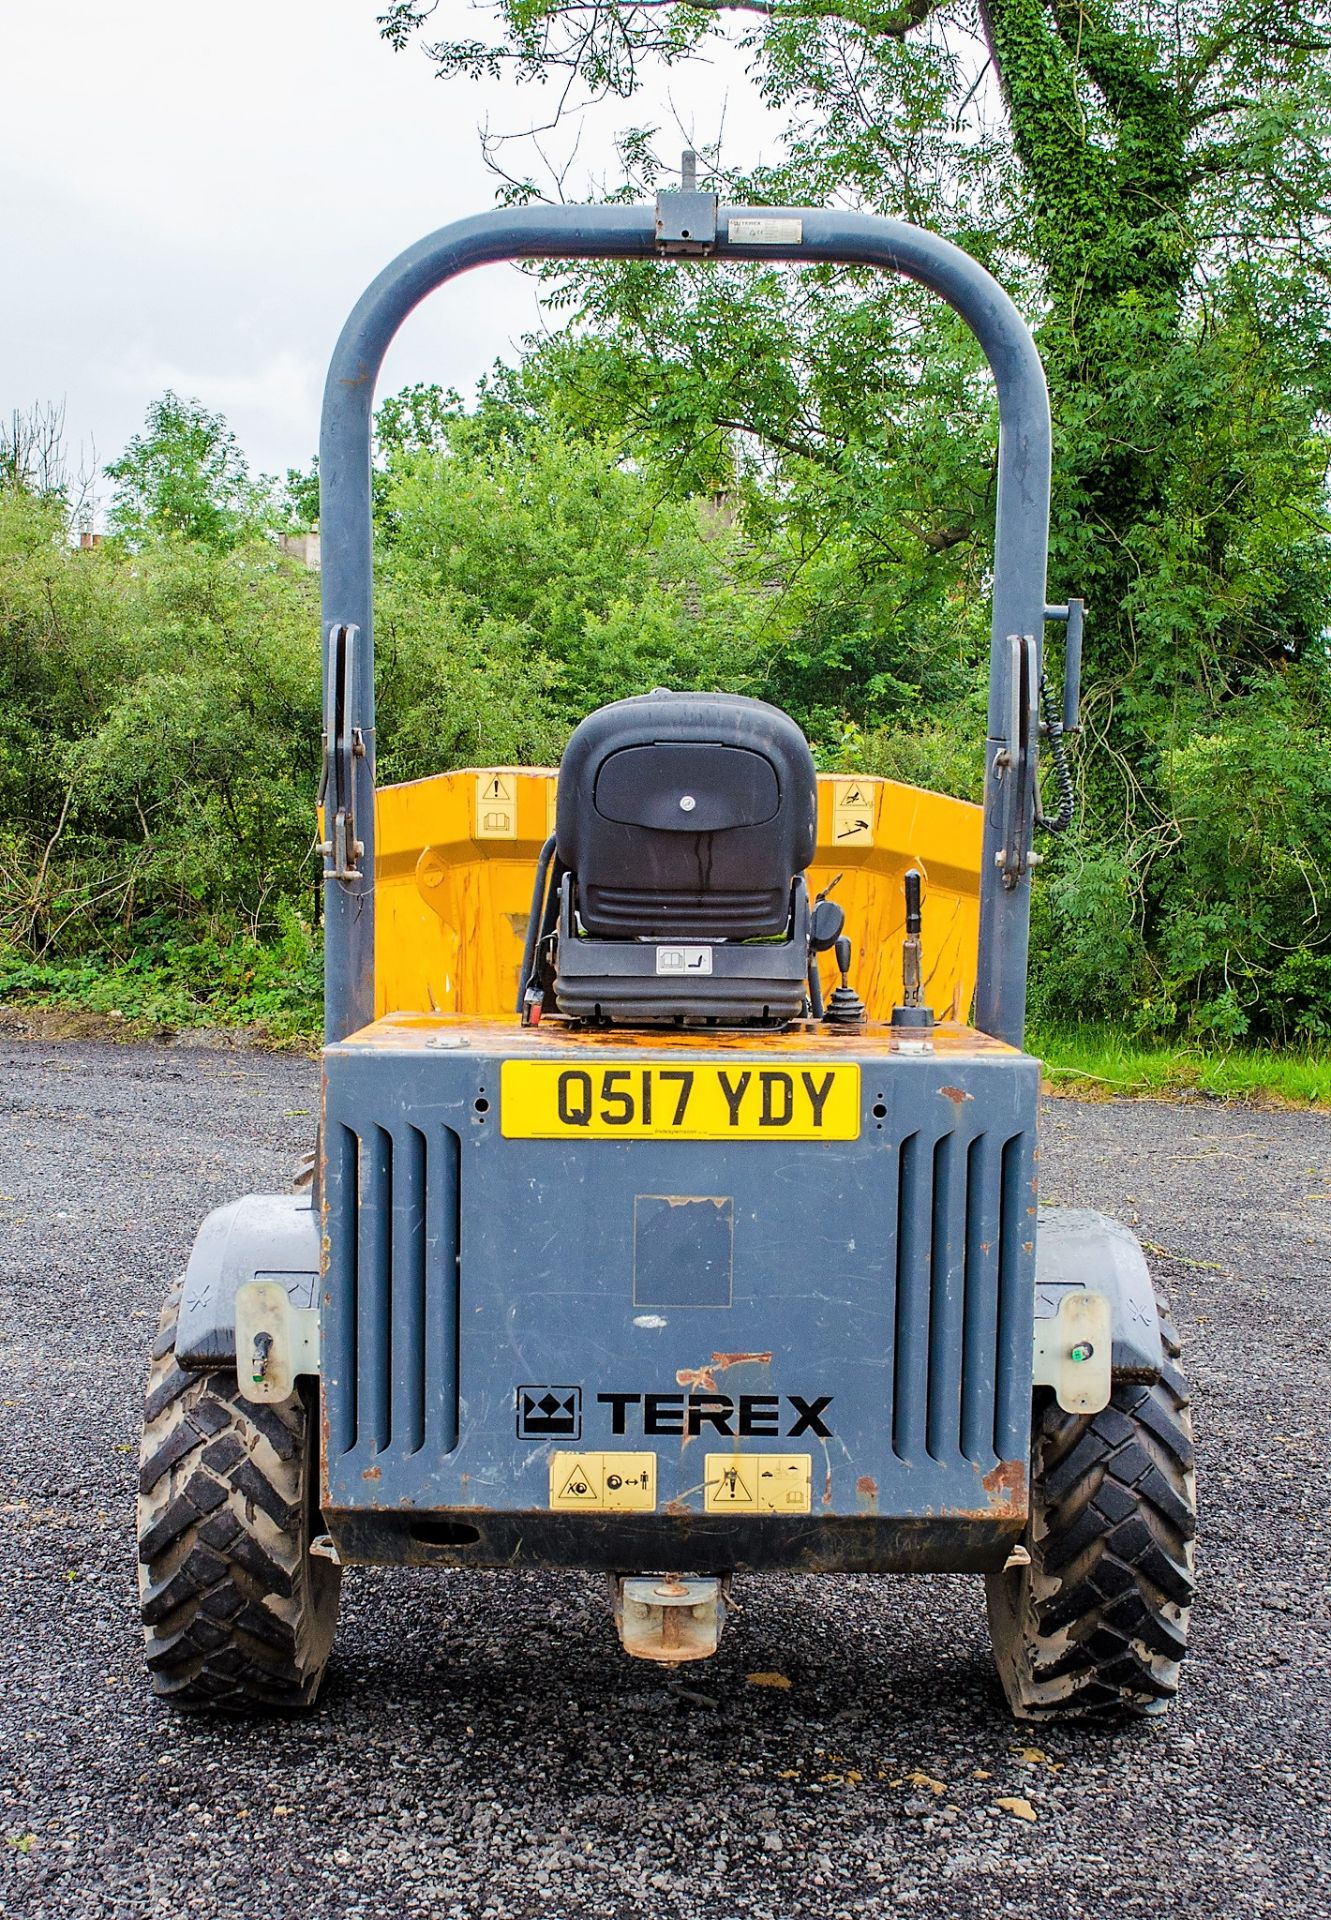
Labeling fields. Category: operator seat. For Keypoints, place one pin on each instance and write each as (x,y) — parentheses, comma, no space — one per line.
(684,824)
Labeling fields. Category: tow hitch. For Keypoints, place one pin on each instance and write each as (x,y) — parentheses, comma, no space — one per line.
(661,1617)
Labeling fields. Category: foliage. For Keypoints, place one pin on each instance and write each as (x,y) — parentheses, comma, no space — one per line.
(1150,184)
(160,749)
(559,570)
(186,475)
(161,721)
(172,982)
(159,754)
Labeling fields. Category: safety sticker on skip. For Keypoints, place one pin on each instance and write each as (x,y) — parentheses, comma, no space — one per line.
(757,1483)
(496,807)
(602,1482)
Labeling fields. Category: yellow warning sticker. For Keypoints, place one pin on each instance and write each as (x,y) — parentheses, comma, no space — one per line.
(853,804)
(602,1482)
(758,1483)
(496,806)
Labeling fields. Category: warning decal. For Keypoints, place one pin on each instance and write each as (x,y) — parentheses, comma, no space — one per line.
(735,1486)
(496,806)
(602,1482)
(852,813)
(757,1483)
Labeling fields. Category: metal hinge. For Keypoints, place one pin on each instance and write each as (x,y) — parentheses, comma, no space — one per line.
(275,1342)
(1014,762)
(686,216)
(1074,1350)
(343,745)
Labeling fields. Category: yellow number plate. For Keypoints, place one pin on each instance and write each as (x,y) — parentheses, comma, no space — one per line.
(630,1100)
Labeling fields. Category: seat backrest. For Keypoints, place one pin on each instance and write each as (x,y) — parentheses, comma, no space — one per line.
(686,814)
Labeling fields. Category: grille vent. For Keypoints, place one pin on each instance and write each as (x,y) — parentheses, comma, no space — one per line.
(394,1196)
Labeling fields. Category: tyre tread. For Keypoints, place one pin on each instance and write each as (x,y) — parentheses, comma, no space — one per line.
(236,1614)
(1098,1623)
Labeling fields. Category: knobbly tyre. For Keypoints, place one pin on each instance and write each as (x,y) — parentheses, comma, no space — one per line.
(637,1239)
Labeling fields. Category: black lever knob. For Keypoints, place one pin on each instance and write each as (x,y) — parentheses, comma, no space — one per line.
(845,1008)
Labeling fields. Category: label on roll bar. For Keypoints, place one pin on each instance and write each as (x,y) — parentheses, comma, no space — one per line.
(765,233)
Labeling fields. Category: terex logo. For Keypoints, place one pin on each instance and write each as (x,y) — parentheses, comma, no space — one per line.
(756,1414)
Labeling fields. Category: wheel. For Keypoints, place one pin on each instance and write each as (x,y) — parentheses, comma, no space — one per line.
(237,1614)
(1097,1624)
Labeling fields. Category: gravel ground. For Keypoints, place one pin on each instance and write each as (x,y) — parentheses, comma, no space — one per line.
(483,1749)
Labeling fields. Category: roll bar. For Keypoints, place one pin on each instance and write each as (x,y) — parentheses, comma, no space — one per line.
(687,222)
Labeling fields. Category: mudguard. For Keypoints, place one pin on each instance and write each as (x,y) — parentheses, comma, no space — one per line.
(1076,1248)
(266,1236)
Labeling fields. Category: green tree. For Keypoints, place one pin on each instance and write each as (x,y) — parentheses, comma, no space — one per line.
(529,572)
(185,475)
(160,751)
(1150,184)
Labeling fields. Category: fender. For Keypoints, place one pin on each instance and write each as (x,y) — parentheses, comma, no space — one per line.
(266,1236)
(1076,1249)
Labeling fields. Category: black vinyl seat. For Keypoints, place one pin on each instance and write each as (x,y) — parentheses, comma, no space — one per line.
(684,820)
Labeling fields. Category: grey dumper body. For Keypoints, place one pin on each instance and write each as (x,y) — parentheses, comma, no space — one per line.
(518,1265)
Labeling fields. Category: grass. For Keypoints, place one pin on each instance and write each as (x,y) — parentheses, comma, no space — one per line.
(271,990)
(1102,1060)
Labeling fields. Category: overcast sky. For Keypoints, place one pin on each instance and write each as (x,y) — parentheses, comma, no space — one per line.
(193,195)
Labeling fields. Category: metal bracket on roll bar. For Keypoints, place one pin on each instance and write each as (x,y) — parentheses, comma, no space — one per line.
(1073,616)
(343,745)
(1014,762)
(685,216)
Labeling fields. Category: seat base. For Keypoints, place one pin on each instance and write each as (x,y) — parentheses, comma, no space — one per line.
(647,982)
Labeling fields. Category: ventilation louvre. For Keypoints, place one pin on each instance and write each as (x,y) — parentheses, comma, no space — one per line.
(394,1207)
(959,1388)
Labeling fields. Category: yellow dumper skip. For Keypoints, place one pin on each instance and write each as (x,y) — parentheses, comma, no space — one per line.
(456,856)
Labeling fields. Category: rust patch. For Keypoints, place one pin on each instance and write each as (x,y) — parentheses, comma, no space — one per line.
(867,1486)
(957,1095)
(373,1473)
(827,1486)
(1006,1484)
(705,1376)
(697,1377)
(677,1506)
